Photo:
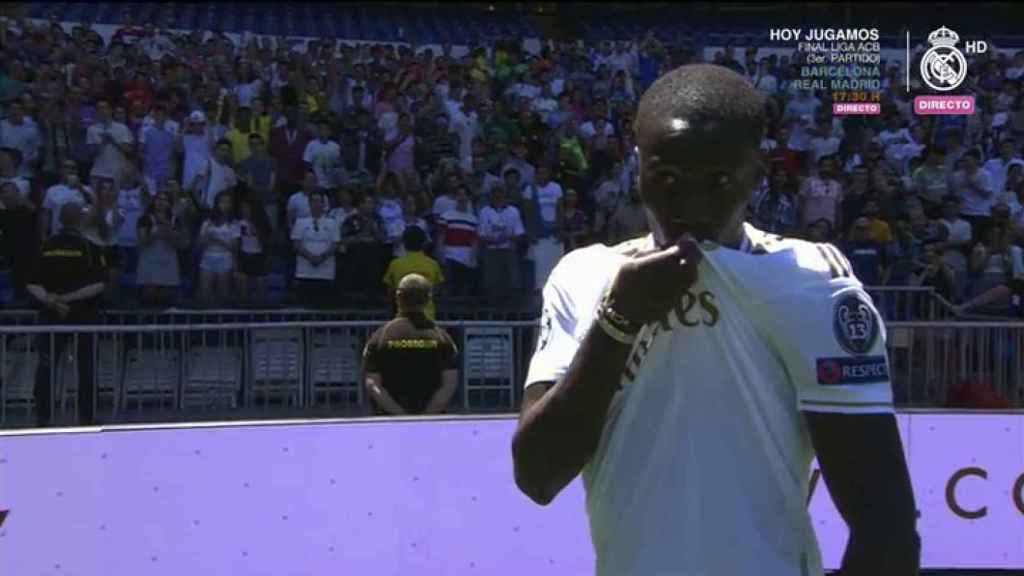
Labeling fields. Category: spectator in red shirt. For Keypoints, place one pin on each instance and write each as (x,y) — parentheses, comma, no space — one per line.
(129,33)
(287,144)
(459,244)
(792,161)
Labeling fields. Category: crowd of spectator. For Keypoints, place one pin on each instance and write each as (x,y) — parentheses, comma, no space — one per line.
(212,170)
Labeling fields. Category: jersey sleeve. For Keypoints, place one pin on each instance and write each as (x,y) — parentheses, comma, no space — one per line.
(835,351)
(570,297)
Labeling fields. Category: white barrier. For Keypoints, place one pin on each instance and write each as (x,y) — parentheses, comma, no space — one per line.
(400,497)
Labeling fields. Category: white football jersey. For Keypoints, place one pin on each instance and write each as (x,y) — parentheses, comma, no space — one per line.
(704,461)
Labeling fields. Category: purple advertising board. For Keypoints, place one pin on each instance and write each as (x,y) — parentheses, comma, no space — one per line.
(426,497)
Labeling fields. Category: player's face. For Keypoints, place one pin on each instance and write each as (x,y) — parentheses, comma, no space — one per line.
(697,181)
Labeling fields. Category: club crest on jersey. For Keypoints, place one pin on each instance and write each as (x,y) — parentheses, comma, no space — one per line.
(855,325)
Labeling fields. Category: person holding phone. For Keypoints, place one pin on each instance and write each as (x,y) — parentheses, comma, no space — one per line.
(70,189)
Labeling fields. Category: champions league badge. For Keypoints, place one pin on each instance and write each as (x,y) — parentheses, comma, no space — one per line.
(546,325)
(943,66)
(855,325)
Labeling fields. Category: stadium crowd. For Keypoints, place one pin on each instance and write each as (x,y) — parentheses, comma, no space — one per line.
(211,171)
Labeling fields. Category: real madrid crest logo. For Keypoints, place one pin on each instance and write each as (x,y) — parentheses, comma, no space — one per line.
(855,325)
(943,66)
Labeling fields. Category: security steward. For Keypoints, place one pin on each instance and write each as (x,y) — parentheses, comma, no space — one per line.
(67,283)
(409,363)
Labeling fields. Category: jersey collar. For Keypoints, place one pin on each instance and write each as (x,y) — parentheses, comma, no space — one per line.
(746,244)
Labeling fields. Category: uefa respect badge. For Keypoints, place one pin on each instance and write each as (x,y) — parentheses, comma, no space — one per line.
(943,68)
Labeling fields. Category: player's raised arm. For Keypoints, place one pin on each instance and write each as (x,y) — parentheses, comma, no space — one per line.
(560,425)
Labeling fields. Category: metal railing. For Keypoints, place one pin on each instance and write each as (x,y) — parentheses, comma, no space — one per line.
(182,365)
(928,360)
(910,303)
(896,303)
(226,370)
(176,316)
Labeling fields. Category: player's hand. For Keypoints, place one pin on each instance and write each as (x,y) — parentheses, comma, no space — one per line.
(649,285)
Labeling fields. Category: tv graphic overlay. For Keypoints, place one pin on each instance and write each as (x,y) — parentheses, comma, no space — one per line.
(943,68)
(845,62)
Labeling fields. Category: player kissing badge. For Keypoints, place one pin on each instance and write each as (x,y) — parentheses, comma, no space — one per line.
(855,325)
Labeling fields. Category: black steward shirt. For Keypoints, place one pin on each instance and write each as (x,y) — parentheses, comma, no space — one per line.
(410,354)
(68,262)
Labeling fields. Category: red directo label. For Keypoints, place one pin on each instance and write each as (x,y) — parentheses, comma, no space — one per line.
(929,105)
(866,108)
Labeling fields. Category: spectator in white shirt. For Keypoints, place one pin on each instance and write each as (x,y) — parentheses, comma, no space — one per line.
(764,80)
(1016,69)
(131,200)
(21,133)
(958,238)
(466,125)
(109,144)
(545,104)
(1011,192)
(298,203)
(823,142)
(519,163)
(894,133)
(154,45)
(195,147)
(323,155)
(445,197)
(70,189)
(804,105)
(998,266)
(546,250)
(218,242)
(218,177)
(315,239)
(411,219)
(501,230)
(974,187)
(158,116)
(998,167)
(901,155)
(248,86)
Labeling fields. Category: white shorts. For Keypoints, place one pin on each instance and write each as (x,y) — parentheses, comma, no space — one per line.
(217,262)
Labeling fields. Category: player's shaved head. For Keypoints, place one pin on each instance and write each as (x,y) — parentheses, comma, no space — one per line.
(699,129)
(413,292)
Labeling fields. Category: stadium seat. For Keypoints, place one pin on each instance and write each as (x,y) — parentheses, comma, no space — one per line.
(151,375)
(213,375)
(334,366)
(109,370)
(276,366)
(20,361)
(489,373)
